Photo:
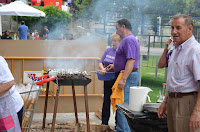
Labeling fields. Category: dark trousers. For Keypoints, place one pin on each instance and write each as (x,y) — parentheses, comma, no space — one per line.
(106,102)
(20,113)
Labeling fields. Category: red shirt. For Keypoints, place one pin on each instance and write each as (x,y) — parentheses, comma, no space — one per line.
(37,38)
(33,2)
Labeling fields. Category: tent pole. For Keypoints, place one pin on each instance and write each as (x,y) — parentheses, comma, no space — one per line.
(0,26)
(17,22)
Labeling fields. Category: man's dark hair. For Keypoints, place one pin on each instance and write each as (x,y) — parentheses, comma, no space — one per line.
(126,23)
(22,22)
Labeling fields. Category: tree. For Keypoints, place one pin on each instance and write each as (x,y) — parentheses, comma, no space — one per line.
(172,6)
(95,9)
(55,18)
(167,8)
(135,10)
(100,10)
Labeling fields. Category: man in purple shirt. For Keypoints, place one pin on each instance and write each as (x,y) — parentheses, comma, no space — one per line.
(23,30)
(182,102)
(127,58)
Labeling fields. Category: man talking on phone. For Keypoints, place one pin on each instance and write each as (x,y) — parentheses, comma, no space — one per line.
(182,102)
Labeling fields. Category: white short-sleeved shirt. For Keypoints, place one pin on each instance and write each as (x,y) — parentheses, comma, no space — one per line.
(6,76)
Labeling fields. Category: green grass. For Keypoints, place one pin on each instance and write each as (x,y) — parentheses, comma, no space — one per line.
(149,80)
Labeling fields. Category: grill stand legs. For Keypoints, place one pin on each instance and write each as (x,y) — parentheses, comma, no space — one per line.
(45,106)
(56,106)
(55,109)
(87,109)
(75,106)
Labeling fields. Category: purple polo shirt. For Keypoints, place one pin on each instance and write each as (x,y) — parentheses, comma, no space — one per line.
(129,48)
(108,57)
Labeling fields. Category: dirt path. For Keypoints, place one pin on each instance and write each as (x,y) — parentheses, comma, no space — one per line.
(65,122)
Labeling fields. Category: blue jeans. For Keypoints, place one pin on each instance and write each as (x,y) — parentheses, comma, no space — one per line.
(122,124)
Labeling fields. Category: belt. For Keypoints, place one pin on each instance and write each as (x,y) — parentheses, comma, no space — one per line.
(135,70)
(180,95)
(117,73)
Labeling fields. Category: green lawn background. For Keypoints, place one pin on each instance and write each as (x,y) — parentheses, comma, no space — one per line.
(149,66)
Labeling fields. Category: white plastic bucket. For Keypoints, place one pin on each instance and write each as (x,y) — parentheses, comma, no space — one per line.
(137,97)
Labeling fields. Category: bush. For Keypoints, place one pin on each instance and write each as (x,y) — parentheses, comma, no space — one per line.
(55,18)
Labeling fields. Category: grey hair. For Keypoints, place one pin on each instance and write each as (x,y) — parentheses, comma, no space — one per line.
(188,19)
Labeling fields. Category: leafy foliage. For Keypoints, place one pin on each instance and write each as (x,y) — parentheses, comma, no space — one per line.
(107,11)
(79,8)
(167,8)
(54,18)
(91,9)
(172,6)
(133,9)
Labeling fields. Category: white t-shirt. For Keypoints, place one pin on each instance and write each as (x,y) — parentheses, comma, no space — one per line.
(6,76)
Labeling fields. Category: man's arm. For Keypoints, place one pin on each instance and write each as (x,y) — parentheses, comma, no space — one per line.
(110,67)
(162,61)
(5,87)
(44,36)
(128,69)
(195,117)
(162,110)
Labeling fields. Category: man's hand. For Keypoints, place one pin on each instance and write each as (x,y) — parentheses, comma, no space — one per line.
(168,43)
(195,120)
(121,84)
(110,67)
(162,111)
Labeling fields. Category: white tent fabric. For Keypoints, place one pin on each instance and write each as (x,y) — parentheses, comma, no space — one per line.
(18,8)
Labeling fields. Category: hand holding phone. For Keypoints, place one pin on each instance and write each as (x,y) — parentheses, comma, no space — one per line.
(169,42)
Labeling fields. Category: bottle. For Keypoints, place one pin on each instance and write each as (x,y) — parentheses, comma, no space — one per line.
(15,36)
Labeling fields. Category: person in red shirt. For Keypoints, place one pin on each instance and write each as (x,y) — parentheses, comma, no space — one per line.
(36,36)
(33,2)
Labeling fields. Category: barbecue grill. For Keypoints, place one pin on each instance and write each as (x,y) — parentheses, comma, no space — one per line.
(63,80)
(64,77)
(144,121)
